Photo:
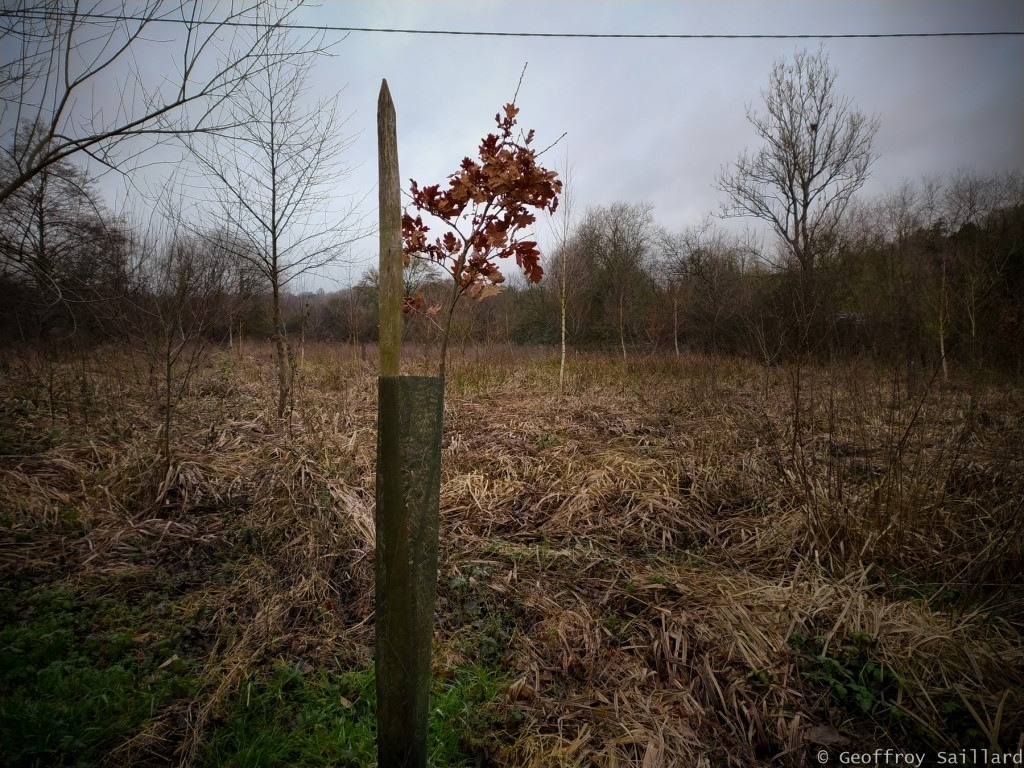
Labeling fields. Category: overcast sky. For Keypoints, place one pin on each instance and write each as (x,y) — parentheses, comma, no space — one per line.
(655,120)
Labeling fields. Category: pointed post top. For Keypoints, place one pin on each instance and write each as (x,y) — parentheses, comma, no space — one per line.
(390,207)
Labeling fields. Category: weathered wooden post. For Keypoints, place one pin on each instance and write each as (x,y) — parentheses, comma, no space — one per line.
(410,412)
(391,262)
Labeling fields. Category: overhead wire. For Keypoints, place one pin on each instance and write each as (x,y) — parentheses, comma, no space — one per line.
(38,15)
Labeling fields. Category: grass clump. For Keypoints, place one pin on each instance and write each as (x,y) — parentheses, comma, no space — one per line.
(75,679)
(288,717)
(285,717)
(852,679)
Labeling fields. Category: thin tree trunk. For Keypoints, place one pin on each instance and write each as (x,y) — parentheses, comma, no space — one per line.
(675,323)
(452,301)
(302,339)
(942,326)
(797,405)
(447,329)
(561,365)
(281,344)
(165,443)
(622,329)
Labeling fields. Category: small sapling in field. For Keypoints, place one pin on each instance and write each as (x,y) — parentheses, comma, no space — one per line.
(486,208)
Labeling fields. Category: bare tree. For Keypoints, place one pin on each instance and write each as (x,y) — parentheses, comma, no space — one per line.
(166,65)
(58,240)
(817,152)
(354,312)
(275,172)
(40,223)
(242,280)
(563,230)
(574,268)
(176,302)
(621,237)
(979,217)
(703,268)
(672,271)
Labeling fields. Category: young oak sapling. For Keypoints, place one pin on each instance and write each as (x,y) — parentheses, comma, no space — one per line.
(486,208)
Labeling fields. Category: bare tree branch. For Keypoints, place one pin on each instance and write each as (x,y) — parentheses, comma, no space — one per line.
(59,52)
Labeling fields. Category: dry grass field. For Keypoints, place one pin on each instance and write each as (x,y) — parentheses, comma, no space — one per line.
(658,567)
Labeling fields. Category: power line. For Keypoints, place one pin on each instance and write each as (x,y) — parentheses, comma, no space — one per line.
(655,36)
(33,15)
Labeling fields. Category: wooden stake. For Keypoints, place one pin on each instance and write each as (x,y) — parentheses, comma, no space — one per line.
(391,263)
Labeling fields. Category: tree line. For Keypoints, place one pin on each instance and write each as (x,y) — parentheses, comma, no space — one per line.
(930,273)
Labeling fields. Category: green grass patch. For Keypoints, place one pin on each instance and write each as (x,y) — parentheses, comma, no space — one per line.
(74,679)
(287,718)
(81,672)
